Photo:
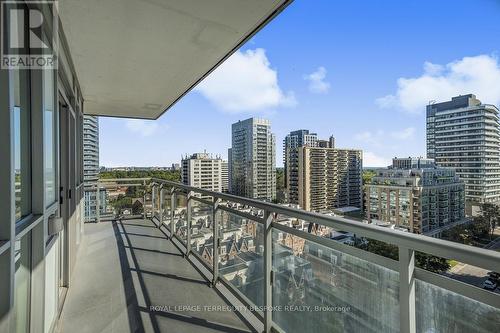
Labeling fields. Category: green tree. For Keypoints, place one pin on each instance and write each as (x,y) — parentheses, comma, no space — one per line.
(423,260)
(280,186)
(280,179)
(131,191)
(490,213)
(368,175)
(171,175)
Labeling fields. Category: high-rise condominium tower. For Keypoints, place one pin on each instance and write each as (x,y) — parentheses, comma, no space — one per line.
(225,176)
(203,171)
(319,176)
(463,134)
(253,159)
(91,167)
(291,142)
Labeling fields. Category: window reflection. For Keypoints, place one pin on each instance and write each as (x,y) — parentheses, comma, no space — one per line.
(22,145)
(49,158)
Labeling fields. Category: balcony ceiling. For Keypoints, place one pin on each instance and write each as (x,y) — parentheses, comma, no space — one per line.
(136,58)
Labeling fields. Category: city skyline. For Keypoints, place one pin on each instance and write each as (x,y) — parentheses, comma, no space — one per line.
(161,244)
(310,76)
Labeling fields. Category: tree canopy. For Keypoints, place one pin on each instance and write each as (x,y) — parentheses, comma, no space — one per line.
(423,260)
(171,175)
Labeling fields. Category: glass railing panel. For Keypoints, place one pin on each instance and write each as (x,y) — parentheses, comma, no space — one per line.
(241,254)
(180,217)
(167,204)
(440,310)
(202,240)
(148,204)
(156,203)
(319,289)
(121,200)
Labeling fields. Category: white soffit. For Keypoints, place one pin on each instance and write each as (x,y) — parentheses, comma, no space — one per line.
(136,58)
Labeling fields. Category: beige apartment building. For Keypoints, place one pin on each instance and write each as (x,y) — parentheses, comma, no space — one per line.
(328,178)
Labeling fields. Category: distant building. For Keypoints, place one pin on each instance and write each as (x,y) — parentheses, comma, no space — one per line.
(425,200)
(253,159)
(330,143)
(91,169)
(225,176)
(175,167)
(329,178)
(203,171)
(412,163)
(464,134)
(229,171)
(319,176)
(291,143)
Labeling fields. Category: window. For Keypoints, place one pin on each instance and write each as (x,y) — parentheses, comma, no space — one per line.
(22,143)
(49,136)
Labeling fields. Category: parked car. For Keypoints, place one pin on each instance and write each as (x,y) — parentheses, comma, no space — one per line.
(494,276)
(489,284)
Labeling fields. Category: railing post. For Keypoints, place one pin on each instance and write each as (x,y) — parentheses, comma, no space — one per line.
(215,233)
(162,198)
(144,200)
(173,199)
(188,222)
(407,290)
(97,205)
(154,190)
(268,271)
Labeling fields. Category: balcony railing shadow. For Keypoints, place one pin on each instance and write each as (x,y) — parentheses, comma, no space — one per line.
(160,290)
(152,266)
(264,256)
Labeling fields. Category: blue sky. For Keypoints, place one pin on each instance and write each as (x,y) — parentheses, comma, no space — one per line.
(360,70)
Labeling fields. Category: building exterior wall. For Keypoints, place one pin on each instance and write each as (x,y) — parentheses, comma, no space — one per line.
(291,142)
(417,200)
(327,178)
(464,134)
(41,180)
(412,163)
(225,176)
(91,168)
(203,171)
(253,159)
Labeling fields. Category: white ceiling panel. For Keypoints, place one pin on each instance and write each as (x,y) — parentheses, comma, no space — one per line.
(136,58)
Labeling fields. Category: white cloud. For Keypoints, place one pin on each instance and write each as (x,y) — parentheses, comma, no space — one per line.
(370,159)
(372,138)
(317,83)
(479,75)
(381,138)
(245,82)
(404,134)
(142,127)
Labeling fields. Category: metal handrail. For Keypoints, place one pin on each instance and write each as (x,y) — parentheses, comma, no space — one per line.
(465,253)
(407,244)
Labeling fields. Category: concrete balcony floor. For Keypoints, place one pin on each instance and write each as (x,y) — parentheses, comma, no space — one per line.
(123,268)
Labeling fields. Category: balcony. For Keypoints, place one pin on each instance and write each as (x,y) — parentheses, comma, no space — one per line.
(125,267)
(162,272)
